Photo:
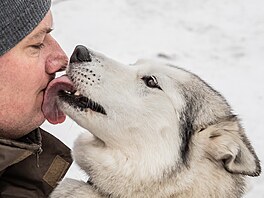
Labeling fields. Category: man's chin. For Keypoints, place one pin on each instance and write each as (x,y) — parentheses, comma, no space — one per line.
(38,120)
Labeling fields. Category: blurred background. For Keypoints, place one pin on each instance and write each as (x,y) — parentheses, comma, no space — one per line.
(221,41)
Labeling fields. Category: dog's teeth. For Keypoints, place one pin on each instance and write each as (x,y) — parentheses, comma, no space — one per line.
(67,92)
(77,93)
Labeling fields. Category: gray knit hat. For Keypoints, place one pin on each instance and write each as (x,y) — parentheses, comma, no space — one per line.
(18,18)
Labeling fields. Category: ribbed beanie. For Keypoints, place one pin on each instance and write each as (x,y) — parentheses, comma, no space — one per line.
(18,18)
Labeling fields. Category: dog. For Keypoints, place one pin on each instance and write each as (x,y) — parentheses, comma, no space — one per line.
(156,131)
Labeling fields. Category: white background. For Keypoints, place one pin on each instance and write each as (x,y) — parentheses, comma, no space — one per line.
(221,41)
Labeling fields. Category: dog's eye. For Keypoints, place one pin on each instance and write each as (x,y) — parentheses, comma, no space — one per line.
(151,82)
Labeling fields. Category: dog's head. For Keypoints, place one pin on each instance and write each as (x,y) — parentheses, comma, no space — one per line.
(154,108)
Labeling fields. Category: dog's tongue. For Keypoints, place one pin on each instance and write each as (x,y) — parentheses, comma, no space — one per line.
(50,108)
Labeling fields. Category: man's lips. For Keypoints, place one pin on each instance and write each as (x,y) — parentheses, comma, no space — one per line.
(44,86)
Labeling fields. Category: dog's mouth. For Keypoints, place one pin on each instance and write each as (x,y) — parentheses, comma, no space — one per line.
(81,102)
(62,88)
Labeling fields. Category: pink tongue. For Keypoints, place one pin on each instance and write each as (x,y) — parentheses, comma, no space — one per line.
(49,107)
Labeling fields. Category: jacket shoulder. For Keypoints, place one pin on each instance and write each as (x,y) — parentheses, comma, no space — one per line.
(38,174)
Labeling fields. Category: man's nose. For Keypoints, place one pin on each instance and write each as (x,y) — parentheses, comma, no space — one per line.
(57,59)
(80,54)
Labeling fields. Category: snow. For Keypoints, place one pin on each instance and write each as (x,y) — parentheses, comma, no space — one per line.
(221,41)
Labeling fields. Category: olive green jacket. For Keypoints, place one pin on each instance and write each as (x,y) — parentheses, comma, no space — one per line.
(33,165)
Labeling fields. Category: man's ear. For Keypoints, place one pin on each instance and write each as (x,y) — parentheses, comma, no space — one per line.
(226,143)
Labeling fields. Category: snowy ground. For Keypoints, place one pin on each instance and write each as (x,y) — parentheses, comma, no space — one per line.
(221,41)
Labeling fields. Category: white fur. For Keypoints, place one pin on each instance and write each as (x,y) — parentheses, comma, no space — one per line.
(134,150)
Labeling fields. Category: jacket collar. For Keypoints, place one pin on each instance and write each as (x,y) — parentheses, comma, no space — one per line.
(13,151)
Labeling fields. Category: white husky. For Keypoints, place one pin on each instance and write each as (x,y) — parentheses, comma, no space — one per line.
(157,131)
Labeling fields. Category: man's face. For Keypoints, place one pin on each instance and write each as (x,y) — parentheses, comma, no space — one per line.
(25,72)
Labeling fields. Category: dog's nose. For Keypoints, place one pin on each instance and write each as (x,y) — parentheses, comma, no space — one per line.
(80,54)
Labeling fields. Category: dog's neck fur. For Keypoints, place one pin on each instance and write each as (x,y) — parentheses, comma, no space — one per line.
(117,176)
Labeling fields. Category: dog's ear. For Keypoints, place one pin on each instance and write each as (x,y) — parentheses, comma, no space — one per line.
(226,143)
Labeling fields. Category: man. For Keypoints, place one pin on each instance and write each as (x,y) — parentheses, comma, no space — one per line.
(31,160)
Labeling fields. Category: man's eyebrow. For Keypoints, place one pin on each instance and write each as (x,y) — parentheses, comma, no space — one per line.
(41,33)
